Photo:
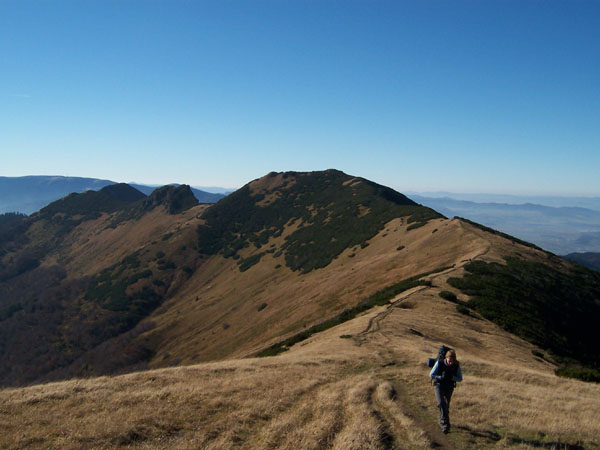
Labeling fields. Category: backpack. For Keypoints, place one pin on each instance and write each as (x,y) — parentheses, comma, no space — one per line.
(441,355)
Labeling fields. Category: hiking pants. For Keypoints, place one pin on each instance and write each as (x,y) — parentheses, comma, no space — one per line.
(443,394)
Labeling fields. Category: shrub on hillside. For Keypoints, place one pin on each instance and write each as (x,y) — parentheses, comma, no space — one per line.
(11,217)
(580,373)
(450,296)
(555,310)
(246,263)
(463,310)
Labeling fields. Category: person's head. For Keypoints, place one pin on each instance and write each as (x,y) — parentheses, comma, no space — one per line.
(450,357)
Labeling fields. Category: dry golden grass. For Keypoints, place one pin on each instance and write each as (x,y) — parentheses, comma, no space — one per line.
(95,245)
(366,392)
(216,314)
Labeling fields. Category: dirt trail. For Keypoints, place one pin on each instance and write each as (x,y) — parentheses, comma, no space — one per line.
(374,322)
(431,429)
(329,410)
(400,404)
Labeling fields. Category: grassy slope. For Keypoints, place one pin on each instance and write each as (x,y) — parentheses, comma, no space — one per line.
(369,391)
(222,312)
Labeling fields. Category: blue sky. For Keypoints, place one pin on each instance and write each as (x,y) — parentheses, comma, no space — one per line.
(477,96)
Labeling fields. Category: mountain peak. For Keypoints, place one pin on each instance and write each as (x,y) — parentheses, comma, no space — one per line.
(332,211)
(92,203)
(325,179)
(122,192)
(176,199)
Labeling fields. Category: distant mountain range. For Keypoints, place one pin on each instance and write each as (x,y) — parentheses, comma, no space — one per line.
(544,200)
(31,193)
(561,230)
(589,259)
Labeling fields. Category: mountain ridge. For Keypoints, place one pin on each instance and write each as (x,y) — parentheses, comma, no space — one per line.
(587,202)
(29,194)
(140,291)
(201,283)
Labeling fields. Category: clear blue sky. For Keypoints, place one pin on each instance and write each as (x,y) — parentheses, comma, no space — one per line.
(477,96)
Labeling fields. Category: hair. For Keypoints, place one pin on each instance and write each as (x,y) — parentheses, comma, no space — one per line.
(450,352)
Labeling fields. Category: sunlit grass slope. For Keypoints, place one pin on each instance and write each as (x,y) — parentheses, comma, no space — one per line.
(360,385)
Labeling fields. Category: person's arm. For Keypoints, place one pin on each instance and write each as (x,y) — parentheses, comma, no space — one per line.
(458,376)
(433,374)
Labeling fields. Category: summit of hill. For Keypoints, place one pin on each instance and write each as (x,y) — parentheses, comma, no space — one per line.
(176,199)
(321,214)
(108,199)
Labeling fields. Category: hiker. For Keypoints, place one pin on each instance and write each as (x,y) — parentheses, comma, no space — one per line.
(444,375)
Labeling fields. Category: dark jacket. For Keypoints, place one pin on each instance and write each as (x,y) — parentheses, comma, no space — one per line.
(445,374)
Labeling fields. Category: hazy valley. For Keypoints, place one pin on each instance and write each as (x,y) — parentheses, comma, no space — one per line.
(558,229)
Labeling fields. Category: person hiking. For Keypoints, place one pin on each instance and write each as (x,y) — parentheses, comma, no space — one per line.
(444,375)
